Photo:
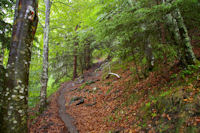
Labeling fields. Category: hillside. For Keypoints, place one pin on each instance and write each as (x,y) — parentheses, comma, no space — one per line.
(69,66)
(167,99)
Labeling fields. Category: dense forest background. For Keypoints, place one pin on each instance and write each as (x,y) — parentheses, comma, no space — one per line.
(72,35)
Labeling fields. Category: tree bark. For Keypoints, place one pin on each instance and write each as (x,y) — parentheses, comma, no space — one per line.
(180,34)
(2,89)
(1,53)
(44,78)
(149,54)
(87,55)
(75,61)
(15,96)
(75,58)
(188,54)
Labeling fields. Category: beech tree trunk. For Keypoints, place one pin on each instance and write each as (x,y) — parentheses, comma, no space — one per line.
(44,78)
(15,92)
(188,56)
(181,37)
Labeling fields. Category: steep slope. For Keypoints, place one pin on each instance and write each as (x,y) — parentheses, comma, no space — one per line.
(167,99)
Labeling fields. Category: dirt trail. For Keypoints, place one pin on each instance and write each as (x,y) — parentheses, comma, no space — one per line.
(67,119)
(56,119)
(64,90)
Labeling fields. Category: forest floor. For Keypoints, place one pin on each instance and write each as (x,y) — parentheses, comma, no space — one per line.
(100,104)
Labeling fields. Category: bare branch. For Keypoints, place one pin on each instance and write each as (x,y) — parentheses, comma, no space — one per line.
(113,74)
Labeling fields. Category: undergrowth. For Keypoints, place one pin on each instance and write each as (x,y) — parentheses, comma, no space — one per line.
(169,106)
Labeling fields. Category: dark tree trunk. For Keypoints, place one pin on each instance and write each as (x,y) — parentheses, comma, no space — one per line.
(87,55)
(16,89)
(2,90)
(81,64)
(163,35)
(162,28)
(75,57)
(75,61)
(1,55)
(44,78)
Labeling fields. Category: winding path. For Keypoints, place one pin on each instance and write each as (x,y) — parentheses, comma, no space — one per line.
(66,118)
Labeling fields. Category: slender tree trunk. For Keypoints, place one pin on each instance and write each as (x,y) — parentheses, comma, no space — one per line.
(81,64)
(149,54)
(87,56)
(75,61)
(188,54)
(2,90)
(2,82)
(44,78)
(162,28)
(180,34)
(163,35)
(1,54)
(16,89)
(75,57)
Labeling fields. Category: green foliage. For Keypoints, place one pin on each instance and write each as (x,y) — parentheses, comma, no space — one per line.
(112,28)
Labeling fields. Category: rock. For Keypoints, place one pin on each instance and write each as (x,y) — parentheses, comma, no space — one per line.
(73,99)
(86,90)
(81,101)
(73,89)
(95,89)
(80,80)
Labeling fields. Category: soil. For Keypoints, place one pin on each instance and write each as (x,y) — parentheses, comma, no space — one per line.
(66,118)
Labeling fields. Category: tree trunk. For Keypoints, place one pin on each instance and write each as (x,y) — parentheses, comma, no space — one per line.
(162,28)
(163,35)
(149,54)
(81,64)
(188,54)
(75,57)
(16,89)
(87,56)
(2,89)
(75,61)
(1,54)
(44,78)
(180,34)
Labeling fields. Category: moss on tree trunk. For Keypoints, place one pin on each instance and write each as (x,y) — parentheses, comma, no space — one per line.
(15,96)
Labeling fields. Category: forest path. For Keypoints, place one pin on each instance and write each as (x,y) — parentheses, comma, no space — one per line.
(64,90)
(66,118)
(55,118)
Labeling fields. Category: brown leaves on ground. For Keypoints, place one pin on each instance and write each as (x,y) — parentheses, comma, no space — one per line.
(114,105)
(49,121)
(109,113)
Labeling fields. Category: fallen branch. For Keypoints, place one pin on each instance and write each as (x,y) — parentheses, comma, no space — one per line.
(113,74)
